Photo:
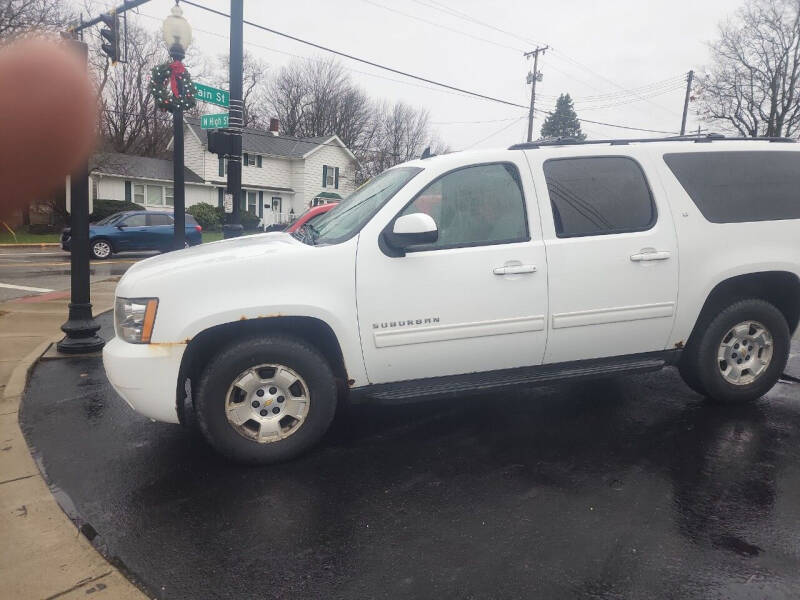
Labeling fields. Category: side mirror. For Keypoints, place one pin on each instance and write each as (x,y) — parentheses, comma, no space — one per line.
(411,230)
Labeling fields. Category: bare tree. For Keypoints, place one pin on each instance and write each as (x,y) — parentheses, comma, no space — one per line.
(402,132)
(254,82)
(18,17)
(752,85)
(318,97)
(129,119)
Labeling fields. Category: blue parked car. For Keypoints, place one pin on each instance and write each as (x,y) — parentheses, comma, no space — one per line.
(132,231)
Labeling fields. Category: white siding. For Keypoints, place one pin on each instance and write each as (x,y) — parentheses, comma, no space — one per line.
(333,157)
(110,187)
(194,156)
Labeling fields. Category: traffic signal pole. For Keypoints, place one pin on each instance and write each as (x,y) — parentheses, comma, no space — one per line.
(80,328)
(234,227)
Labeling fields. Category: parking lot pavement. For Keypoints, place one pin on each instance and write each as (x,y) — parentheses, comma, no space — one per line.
(627,487)
(36,271)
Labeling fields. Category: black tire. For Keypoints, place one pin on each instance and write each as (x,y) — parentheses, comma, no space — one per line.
(95,249)
(220,373)
(699,365)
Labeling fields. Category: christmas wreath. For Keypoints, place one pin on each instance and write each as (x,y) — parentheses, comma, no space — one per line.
(172,87)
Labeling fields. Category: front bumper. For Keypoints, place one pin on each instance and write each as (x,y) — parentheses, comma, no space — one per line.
(145,375)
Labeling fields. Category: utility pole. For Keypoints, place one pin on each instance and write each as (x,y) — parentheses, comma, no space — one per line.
(689,79)
(533,77)
(80,328)
(234,227)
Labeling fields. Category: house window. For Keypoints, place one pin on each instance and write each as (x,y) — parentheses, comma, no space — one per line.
(155,195)
(248,160)
(152,195)
(249,201)
(330,176)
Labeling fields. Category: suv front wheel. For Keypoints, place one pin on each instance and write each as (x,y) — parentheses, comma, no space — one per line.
(267,399)
(741,353)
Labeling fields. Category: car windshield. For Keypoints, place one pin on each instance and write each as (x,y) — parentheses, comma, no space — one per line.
(110,219)
(350,215)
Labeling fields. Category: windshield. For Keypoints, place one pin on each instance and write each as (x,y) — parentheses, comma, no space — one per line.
(110,219)
(347,219)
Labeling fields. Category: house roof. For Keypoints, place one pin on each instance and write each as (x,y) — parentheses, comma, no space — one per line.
(263,142)
(137,167)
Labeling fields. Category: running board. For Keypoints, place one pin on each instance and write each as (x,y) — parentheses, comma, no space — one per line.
(469,383)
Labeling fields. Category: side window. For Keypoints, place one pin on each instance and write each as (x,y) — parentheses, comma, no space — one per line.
(135,221)
(474,206)
(159,219)
(598,196)
(740,186)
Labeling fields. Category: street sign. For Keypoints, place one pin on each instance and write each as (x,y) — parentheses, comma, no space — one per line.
(206,93)
(228,203)
(214,121)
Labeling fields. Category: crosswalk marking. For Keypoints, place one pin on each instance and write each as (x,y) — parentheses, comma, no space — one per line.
(24,288)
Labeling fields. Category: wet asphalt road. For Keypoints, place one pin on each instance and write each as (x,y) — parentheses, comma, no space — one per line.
(620,488)
(35,271)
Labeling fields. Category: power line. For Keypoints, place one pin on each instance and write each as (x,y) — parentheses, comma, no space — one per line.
(559,54)
(361,60)
(502,129)
(399,72)
(439,25)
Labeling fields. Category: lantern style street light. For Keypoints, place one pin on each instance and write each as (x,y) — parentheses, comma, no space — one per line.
(177,35)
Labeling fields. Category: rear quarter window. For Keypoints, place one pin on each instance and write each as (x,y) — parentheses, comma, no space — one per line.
(739,187)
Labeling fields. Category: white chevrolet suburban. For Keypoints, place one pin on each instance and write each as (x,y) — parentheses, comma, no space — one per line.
(475,271)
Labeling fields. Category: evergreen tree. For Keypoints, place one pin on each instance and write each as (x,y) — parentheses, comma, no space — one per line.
(563,122)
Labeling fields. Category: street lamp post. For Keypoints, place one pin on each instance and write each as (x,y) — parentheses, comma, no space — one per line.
(177,36)
(81,328)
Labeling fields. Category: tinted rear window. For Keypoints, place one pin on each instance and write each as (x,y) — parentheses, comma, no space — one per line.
(737,187)
(598,196)
(190,220)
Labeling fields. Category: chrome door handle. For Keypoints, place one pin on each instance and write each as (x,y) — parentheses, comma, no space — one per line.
(513,270)
(651,254)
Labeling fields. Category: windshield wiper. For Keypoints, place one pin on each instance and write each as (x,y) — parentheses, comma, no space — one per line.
(307,234)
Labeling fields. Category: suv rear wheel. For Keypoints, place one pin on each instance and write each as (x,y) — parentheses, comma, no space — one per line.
(265,400)
(741,353)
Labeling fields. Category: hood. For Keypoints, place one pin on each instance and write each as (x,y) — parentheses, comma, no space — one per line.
(202,260)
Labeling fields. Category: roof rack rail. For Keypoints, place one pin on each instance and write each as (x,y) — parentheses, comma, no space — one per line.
(711,137)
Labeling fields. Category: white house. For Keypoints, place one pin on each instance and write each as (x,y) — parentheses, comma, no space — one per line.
(281,176)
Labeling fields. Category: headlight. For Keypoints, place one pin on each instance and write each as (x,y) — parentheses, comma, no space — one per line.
(134,319)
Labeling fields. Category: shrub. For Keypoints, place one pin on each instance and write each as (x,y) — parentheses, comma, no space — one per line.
(249,221)
(105,208)
(208,216)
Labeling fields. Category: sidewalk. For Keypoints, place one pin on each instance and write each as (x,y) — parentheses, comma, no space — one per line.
(44,554)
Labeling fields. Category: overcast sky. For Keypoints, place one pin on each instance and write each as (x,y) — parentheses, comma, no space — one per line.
(599,52)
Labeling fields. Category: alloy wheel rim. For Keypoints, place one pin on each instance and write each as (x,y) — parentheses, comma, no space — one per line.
(267,403)
(745,352)
(101,249)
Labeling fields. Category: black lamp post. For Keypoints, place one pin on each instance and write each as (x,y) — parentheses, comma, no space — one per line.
(177,36)
(81,328)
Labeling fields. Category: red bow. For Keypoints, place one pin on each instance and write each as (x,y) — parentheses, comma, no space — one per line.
(177,69)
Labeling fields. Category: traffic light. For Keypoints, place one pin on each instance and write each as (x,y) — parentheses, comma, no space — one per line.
(111,36)
(223,143)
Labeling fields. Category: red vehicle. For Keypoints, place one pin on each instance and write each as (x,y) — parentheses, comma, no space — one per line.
(311,214)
